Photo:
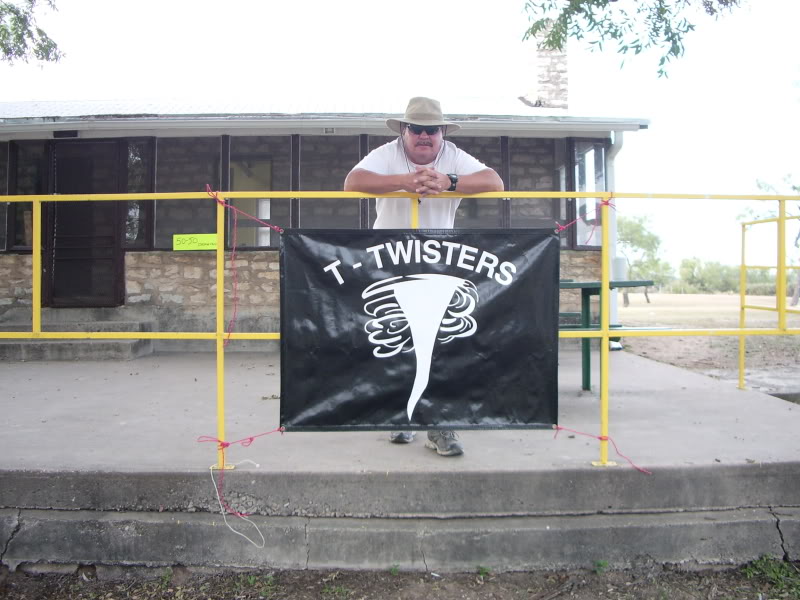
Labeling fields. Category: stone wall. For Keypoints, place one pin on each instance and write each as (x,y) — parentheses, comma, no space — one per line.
(552,80)
(188,279)
(15,280)
(164,279)
(580,266)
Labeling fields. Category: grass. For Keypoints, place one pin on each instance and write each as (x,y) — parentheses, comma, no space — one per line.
(782,576)
(600,566)
(336,591)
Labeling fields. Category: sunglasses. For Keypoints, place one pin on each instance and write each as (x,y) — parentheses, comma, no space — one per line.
(418,129)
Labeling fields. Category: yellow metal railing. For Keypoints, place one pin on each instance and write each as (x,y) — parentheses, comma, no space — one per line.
(220,334)
(780,281)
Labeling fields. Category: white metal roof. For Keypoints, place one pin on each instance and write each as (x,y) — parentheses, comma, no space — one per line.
(210,115)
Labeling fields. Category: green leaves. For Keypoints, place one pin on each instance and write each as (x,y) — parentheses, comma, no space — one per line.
(634,27)
(640,248)
(20,38)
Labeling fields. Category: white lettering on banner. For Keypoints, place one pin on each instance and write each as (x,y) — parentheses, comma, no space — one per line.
(465,256)
(450,246)
(398,251)
(332,267)
(433,252)
(376,254)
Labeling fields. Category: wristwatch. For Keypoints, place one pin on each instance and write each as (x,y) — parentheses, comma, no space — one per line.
(453,182)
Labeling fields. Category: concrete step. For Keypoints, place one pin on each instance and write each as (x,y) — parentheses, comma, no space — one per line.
(404,495)
(51,540)
(442,522)
(88,326)
(45,350)
(48,349)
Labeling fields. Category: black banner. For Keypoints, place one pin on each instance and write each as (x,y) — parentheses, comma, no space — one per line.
(400,329)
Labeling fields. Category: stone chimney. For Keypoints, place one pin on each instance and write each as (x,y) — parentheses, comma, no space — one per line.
(548,70)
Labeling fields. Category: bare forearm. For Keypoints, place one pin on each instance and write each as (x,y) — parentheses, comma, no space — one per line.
(483,181)
(361,180)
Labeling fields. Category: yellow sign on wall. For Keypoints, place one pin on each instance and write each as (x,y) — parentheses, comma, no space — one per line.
(194,241)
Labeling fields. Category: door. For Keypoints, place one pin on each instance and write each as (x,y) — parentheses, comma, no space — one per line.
(84,259)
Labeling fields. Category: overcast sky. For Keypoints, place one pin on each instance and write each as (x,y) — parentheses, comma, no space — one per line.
(726,116)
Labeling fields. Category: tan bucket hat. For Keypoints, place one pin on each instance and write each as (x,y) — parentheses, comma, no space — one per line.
(422,111)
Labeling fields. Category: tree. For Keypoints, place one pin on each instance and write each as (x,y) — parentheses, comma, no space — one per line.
(20,38)
(640,248)
(709,277)
(766,210)
(634,26)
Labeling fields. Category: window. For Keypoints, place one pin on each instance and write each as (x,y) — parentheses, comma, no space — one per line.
(3,190)
(589,176)
(260,163)
(478,213)
(184,165)
(325,161)
(29,177)
(533,169)
(138,216)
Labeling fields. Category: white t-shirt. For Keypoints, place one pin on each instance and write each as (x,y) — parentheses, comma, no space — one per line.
(434,212)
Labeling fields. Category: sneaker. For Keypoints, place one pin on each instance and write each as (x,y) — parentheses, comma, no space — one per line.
(401,437)
(444,442)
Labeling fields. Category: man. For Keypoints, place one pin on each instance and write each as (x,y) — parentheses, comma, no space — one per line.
(421,161)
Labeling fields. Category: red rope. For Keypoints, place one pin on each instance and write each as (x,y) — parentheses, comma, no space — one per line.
(602,438)
(244,442)
(560,227)
(229,206)
(234,241)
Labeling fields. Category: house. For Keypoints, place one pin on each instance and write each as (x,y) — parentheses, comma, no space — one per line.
(118,255)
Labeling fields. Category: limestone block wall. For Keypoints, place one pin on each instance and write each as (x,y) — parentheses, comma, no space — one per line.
(580,266)
(552,80)
(15,280)
(188,279)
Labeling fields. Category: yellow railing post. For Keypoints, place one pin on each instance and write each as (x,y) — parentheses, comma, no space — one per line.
(36,266)
(742,303)
(605,301)
(220,334)
(780,287)
(414,212)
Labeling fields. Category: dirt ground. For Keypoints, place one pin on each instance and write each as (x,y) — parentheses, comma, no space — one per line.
(715,356)
(771,362)
(646,583)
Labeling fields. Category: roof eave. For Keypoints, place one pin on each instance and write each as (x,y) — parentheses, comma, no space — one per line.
(186,125)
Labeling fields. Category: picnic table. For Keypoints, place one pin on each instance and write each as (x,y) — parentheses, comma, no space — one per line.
(589,289)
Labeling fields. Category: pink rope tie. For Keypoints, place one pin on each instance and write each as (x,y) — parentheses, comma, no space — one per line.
(231,207)
(244,442)
(561,228)
(234,244)
(602,438)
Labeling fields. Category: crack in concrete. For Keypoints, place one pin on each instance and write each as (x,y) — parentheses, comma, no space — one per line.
(308,546)
(10,539)
(422,551)
(780,532)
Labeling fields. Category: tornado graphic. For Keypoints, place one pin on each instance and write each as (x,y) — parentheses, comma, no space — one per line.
(411,312)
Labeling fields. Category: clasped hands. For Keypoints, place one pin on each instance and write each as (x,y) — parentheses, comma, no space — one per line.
(427,181)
